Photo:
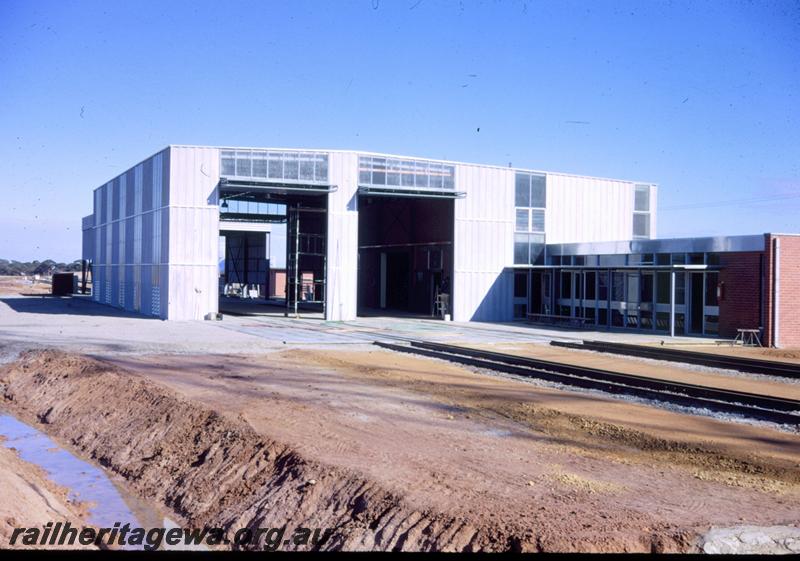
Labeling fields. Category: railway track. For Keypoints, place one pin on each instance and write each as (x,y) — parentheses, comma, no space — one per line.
(752,406)
(740,364)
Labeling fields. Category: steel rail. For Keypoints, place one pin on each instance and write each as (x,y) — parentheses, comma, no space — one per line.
(740,364)
(752,406)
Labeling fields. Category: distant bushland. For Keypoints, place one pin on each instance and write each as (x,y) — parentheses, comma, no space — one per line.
(46,267)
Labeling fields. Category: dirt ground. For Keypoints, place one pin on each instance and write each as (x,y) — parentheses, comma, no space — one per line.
(750,383)
(23,285)
(29,499)
(543,469)
(791,355)
(402,452)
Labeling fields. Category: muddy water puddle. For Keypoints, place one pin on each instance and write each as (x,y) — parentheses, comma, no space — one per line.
(109,503)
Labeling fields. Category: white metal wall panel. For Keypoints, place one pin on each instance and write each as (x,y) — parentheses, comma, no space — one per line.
(483,243)
(118,236)
(653,210)
(342,237)
(583,209)
(193,232)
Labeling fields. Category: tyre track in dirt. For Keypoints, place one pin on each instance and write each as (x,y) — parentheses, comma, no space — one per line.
(216,471)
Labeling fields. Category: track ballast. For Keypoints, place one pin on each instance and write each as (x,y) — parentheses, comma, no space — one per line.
(752,406)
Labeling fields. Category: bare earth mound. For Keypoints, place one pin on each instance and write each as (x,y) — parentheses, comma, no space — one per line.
(215,471)
(213,446)
(29,498)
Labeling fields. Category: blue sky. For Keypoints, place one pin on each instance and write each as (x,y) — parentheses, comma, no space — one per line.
(702,98)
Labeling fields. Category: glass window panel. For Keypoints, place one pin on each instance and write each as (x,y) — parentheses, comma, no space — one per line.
(680,288)
(243,166)
(633,288)
(449,178)
(712,325)
(713,258)
(591,260)
(617,260)
(259,168)
(566,284)
(537,221)
(602,316)
(290,167)
(662,288)
(520,249)
(696,258)
(522,220)
(646,294)
(641,225)
(642,198)
(364,177)
(663,259)
(275,167)
(227,164)
(538,191)
(520,285)
(712,279)
(680,320)
(392,172)
(618,287)
(379,171)
(421,175)
(678,258)
(590,285)
(520,311)
(306,169)
(522,190)
(407,175)
(537,252)
(436,176)
(602,285)
(321,169)
(662,321)
(616,318)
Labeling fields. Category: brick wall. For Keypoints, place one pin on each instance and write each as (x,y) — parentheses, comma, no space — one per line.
(740,304)
(789,290)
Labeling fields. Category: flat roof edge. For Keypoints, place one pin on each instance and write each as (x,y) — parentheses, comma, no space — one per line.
(714,244)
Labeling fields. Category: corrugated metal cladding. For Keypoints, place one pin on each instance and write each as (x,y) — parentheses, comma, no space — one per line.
(581,209)
(128,247)
(483,244)
(343,237)
(193,232)
(154,235)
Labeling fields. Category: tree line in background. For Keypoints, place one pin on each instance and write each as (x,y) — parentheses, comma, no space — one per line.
(46,267)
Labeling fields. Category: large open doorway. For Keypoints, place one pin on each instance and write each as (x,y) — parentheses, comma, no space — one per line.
(405,255)
(696,303)
(272,253)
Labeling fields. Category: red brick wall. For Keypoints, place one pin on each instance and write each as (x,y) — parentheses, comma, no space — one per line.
(789,290)
(739,306)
